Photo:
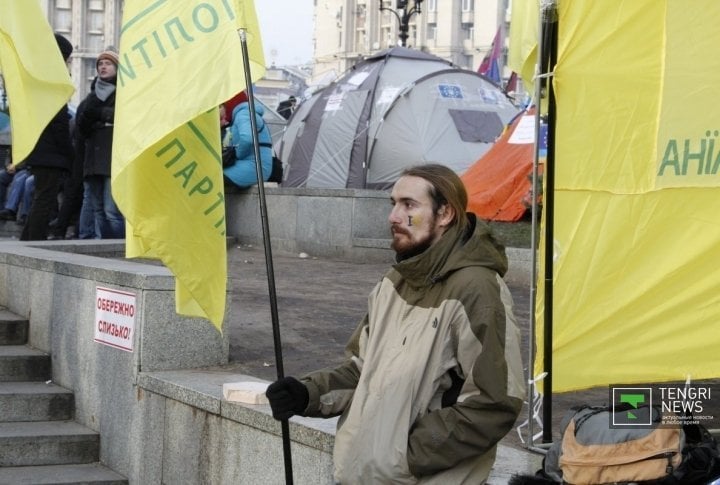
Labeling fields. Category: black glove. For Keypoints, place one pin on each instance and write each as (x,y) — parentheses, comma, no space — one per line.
(288,397)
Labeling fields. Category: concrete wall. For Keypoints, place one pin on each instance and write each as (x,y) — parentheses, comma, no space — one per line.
(157,425)
(335,223)
(349,224)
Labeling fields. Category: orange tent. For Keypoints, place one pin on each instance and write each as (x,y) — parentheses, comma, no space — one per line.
(499,183)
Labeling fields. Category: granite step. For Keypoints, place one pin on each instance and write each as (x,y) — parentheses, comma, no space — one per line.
(22,363)
(47,443)
(13,328)
(35,401)
(90,473)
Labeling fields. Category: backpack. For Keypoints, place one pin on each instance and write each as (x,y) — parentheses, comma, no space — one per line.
(591,452)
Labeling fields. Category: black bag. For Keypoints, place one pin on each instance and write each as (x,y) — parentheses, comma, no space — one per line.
(228,157)
(277,170)
(276,175)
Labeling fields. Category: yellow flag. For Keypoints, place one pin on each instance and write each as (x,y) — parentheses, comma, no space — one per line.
(522,53)
(36,78)
(637,194)
(178,61)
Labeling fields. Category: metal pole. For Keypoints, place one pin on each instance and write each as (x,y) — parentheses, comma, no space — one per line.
(533,275)
(268,252)
(406,12)
(548,56)
(405,20)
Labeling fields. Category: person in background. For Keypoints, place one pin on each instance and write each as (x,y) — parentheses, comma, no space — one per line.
(67,223)
(49,162)
(433,375)
(243,173)
(19,196)
(6,177)
(286,108)
(94,122)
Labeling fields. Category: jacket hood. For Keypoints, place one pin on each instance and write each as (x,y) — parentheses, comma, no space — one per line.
(456,249)
(246,107)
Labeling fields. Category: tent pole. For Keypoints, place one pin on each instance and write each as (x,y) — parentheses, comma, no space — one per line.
(548,58)
(268,251)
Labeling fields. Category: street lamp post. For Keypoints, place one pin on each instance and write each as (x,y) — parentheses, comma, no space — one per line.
(403,14)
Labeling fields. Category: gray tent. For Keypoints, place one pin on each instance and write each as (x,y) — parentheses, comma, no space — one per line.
(276,123)
(398,108)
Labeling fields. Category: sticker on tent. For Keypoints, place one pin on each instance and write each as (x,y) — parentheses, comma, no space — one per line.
(334,102)
(524,131)
(489,96)
(357,79)
(388,95)
(452,91)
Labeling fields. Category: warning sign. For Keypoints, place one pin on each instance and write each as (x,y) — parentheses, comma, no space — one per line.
(115,318)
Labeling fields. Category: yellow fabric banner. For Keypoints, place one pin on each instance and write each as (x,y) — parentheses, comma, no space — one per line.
(522,53)
(179,60)
(36,78)
(637,194)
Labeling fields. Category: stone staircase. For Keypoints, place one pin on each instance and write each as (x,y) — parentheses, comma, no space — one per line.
(10,230)
(39,441)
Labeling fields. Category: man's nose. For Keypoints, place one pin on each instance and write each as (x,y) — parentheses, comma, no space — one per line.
(394,217)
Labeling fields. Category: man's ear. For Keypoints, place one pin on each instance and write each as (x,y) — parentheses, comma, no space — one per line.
(445,215)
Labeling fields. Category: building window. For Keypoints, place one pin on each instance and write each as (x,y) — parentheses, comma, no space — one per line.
(95,26)
(61,16)
(89,71)
(467,5)
(431,31)
(468,31)
(432,6)
(360,17)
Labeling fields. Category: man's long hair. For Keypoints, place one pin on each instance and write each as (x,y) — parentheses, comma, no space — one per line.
(445,188)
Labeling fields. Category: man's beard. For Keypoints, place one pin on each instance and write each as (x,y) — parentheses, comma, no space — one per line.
(409,249)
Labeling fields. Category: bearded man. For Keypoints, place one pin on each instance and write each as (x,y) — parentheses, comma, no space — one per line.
(433,377)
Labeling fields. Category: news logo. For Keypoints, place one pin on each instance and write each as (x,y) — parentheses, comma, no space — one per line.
(625,403)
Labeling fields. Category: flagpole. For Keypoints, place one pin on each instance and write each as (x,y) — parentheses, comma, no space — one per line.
(547,55)
(268,251)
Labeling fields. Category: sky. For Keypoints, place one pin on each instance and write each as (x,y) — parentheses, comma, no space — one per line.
(286,27)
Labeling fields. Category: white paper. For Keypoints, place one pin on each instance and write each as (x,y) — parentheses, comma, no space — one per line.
(524,131)
(247,392)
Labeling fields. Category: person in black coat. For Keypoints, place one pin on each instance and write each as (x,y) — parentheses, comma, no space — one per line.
(49,162)
(94,122)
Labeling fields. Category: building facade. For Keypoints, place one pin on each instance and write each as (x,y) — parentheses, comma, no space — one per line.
(461,31)
(91,26)
(346,31)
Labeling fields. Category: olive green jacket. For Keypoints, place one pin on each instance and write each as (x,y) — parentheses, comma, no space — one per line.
(433,377)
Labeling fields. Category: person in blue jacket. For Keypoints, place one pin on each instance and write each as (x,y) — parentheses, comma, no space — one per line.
(243,173)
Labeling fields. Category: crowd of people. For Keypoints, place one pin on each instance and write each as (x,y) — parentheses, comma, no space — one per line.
(62,190)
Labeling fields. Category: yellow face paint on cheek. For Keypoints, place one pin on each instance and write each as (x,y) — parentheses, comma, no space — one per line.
(414,220)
